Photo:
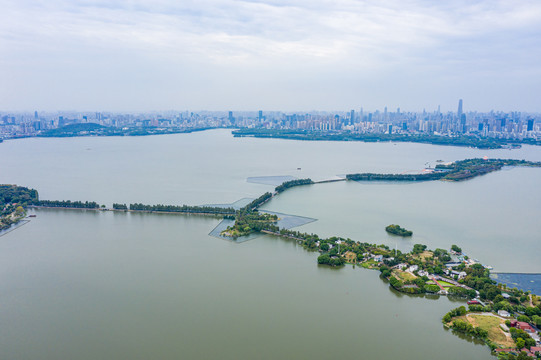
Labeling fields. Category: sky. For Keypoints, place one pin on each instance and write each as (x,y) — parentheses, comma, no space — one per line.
(287,55)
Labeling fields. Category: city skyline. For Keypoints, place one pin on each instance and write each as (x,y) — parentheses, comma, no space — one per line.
(248,55)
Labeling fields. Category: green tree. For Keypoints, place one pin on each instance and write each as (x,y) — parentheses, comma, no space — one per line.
(324,259)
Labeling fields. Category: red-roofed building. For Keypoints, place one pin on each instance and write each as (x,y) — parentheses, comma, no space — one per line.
(525,326)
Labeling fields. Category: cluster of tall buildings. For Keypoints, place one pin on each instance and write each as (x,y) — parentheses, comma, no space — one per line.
(513,125)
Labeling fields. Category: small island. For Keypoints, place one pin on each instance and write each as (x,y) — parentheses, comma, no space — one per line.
(397,230)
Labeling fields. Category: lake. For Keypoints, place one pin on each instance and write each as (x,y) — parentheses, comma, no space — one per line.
(87,285)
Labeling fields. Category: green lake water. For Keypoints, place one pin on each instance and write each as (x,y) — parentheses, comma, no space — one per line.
(104,285)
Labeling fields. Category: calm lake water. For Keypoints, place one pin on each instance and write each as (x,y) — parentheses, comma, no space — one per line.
(100,285)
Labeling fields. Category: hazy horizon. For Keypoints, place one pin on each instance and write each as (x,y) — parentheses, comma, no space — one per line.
(290,55)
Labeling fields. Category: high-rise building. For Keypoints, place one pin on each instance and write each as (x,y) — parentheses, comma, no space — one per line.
(530,125)
(35,114)
(463,123)
(260,115)
(231,118)
(459,112)
(352,117)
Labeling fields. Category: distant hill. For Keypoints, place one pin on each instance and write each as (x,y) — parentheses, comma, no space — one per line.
(73,130)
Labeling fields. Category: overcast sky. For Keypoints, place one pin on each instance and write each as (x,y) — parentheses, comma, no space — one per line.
(271,55)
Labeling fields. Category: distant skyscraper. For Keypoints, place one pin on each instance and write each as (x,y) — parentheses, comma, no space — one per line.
(352,117)
(463,123)
(231,118)
(459,113)
(35,114)
(260,115)
(530,125)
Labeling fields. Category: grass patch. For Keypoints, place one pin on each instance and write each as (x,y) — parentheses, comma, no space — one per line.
(445,284)
(492,325)
(370,264)
(424,255)
(403,275)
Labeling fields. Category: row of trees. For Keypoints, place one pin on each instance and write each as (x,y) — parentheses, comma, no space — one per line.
(68,204)
(289,184)
(256,203)
(180,209)
(395,177)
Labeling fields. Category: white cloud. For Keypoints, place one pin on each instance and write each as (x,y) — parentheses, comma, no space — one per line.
(275,45)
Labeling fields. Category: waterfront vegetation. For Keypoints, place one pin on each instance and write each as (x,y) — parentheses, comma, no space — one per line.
(395,177)
(176,208)
(249,222)
(397,230)
(465,140)
(13,201)
(289,184)
(456,171)
(68,204)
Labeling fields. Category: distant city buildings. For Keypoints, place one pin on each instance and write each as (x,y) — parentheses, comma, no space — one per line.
(503,125)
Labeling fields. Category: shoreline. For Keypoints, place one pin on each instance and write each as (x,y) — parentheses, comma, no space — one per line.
(14,226)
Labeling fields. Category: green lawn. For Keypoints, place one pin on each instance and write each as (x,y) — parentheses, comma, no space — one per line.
(369,264)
